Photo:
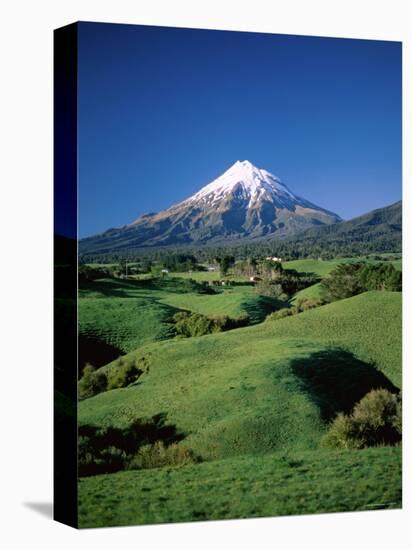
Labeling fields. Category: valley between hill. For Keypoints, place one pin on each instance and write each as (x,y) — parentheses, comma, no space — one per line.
(252,404)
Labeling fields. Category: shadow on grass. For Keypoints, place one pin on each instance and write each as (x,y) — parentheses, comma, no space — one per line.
(260,307)
(96,352)
(336,380)
(107,450)
(311,274)
(122,288)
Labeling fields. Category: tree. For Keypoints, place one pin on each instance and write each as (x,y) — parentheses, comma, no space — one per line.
(350,279)
(270,270)
(156,271)
(225,263)
(381,276)
(180,262)
(342,282)
(271,289)
(122,269)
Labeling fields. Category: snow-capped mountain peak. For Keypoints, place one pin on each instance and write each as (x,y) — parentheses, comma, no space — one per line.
(246,181)
(245,202)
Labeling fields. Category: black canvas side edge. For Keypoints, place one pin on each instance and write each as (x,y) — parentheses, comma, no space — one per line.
(65,275)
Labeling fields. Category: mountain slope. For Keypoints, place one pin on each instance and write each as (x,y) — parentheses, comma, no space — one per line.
(243,203)
(383,226)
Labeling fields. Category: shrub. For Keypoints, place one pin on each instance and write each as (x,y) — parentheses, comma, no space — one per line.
(195,324)
(223,322)
(270,288)
(89,273)
(94,462)
(302,305)
(242,321)
(158,455)
(123,375)
(280,314)
(342,434)
(92,382)
(375,420)
(308,303)
(145,443)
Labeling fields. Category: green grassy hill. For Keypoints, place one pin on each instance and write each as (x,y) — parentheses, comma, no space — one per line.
(311,292)
(118,316)
(319,267)
(232,301)
(254,403)
(268,387)
(322,268)
(369,325)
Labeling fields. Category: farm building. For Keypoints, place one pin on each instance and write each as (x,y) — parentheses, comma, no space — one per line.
(273,259)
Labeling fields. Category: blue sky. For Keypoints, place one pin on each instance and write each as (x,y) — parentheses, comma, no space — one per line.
(164,111)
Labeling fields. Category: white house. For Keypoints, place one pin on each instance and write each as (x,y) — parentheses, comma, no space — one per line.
(273,259)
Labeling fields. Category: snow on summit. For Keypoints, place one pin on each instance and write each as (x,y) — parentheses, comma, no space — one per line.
(247,181)
(244,203)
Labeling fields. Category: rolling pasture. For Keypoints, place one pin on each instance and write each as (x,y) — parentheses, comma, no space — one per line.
(253,403)
(118,316)
(248,391)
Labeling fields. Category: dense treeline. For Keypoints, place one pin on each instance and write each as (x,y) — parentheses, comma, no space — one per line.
(376,232)
(308,248)
(180,262)
(348,280)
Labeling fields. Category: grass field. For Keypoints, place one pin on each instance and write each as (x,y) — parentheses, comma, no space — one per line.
(123,322)
(206,276)
(311,292)
(270,485)
(253,402)
(121,316)
(247,390)
(116,317)
(378,341)
(232,301)
(322,268)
